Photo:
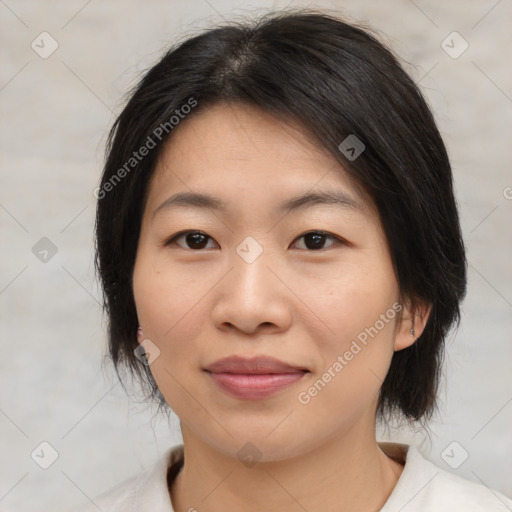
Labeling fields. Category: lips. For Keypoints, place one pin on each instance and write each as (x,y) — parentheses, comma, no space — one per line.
(255,366)
(253,379)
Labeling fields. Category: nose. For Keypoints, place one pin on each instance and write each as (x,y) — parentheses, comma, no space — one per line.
(253,298)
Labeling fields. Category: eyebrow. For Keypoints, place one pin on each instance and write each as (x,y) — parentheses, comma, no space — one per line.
(205,201)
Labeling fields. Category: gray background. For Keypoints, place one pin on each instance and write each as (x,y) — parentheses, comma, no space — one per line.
(55,114)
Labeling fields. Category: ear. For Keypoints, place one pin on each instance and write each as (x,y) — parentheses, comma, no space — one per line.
(140,335)
(411,325)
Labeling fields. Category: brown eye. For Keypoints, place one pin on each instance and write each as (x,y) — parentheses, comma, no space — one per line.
(315,240)
(194,240)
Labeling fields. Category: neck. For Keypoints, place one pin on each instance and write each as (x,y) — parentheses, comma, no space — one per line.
(344,474)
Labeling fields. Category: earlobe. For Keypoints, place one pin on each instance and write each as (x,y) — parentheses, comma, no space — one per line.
(412,325)
(140,335)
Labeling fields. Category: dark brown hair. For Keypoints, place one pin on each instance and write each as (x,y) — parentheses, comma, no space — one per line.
(336,80)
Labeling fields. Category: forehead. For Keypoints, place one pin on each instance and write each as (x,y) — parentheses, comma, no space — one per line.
(235,149)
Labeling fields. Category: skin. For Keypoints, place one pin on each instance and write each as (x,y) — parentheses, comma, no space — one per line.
(299,304)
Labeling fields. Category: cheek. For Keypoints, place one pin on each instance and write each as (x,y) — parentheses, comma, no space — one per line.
(168,305)
(170,310)
(354,300)
(355,359)
(360,309)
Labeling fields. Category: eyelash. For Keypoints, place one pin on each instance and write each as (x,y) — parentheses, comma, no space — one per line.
(172,240)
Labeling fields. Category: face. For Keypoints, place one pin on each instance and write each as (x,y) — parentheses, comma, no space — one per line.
(311,285)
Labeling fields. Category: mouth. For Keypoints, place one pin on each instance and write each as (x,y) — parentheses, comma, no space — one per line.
(253,379)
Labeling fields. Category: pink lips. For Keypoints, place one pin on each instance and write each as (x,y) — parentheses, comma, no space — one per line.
(253,379)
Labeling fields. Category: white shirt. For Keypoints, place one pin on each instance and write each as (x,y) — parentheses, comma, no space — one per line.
(422,487)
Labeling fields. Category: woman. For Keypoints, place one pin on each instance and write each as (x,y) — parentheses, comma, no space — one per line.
(281,258)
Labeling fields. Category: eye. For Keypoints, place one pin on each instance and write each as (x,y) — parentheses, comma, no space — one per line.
(314,240)
(195,239)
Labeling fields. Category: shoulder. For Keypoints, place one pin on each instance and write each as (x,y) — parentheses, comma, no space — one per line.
(423,487)
(145,491)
